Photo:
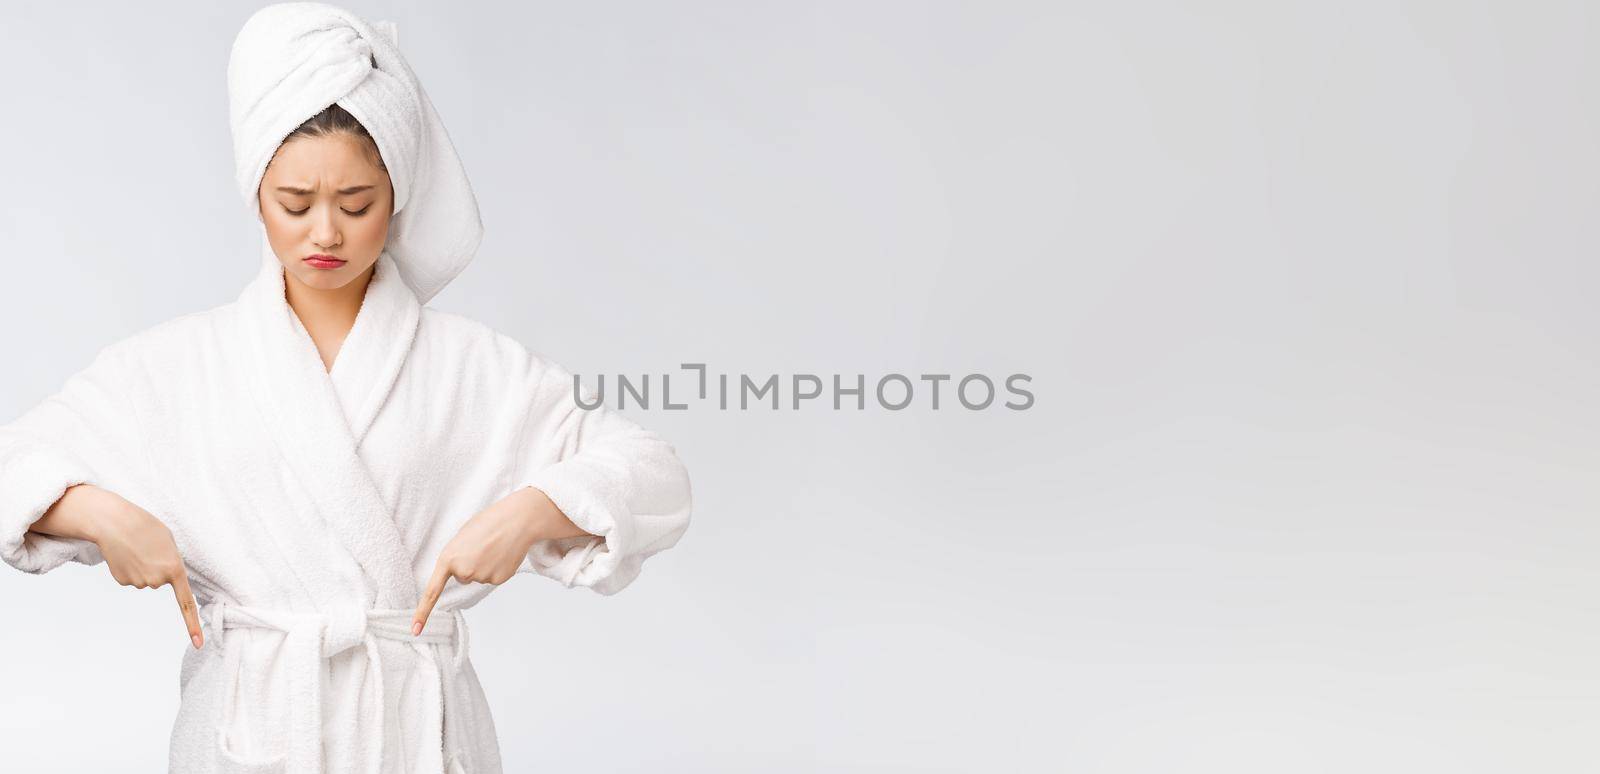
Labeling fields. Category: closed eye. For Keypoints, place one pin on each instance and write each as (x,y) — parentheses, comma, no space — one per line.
(357,213)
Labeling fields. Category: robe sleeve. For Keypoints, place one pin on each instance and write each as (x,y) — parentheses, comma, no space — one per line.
(86,433)
(616,480)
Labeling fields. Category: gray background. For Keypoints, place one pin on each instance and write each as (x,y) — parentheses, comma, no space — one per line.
(1309,484)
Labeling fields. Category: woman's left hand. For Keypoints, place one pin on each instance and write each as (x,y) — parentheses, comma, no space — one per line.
(490,547)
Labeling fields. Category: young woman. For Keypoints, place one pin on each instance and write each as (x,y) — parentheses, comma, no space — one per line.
(334,469)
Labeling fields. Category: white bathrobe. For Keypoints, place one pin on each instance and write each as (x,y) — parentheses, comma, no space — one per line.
(310,507)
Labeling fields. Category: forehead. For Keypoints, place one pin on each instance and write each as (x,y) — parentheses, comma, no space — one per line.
(338,160)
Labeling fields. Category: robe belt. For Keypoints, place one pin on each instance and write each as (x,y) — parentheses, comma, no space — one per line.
(311,637)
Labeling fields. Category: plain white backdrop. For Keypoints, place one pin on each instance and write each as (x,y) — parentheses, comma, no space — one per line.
(1306,291)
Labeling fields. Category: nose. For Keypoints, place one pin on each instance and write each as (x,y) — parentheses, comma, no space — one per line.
(324,232)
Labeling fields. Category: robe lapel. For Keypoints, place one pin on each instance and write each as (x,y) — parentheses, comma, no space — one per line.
(318,419)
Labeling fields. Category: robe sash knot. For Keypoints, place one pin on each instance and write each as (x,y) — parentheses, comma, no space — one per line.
(311,637)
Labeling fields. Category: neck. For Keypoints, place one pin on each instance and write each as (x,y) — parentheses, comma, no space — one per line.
(327,314)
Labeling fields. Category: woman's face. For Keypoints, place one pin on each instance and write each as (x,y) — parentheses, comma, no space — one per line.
(326,196)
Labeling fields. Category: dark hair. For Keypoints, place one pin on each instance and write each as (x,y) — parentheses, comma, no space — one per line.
(336,120)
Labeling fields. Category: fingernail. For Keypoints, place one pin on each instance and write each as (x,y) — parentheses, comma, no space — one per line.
(416,628)
(196,639)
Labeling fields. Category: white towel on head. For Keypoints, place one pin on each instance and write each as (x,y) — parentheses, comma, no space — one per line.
(293,60)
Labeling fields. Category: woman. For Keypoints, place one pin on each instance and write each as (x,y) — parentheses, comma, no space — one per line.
(336,470)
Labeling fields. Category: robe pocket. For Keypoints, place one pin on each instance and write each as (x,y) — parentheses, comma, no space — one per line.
(229,762)
(242,746)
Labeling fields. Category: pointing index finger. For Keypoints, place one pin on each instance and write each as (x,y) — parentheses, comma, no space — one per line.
(441,573)
(187,605)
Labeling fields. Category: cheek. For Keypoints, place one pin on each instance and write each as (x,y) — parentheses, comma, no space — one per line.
(273,217)
(279,227)
(372,230)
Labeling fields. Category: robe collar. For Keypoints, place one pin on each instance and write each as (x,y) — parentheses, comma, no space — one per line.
(318,418)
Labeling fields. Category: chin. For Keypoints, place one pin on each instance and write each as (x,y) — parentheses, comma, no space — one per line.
(327,279)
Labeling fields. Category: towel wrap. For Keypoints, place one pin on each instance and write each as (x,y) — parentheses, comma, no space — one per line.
(290,62)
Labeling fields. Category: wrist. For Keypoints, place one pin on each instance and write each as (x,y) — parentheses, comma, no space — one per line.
(106,512)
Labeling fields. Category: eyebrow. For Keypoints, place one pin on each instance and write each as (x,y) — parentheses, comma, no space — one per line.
(289,189)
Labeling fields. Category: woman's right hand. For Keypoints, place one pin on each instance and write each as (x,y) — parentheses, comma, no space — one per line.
(137,547)
(140,552)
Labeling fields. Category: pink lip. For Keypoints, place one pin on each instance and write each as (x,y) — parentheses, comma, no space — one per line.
(321,261)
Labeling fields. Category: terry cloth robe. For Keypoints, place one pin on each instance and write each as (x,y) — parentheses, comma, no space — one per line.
(310,507)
